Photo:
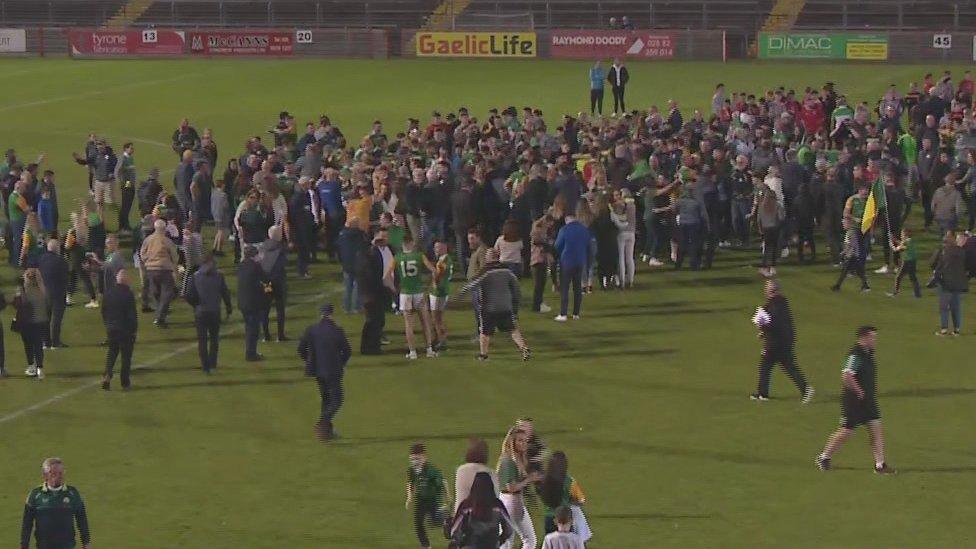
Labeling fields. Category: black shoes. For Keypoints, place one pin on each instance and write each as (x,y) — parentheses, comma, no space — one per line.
(256,358)
(823,463)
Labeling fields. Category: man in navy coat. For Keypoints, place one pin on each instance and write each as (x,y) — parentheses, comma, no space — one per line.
(325,350)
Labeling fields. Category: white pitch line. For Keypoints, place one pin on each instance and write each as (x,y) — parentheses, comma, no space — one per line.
(162,358)
(93,93)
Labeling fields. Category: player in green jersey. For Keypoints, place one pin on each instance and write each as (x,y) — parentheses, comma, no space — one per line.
(407,265)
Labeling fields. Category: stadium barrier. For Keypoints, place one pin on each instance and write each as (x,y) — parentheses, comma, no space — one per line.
(569,44)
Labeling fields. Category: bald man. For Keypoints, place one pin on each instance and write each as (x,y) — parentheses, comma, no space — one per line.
(121,324)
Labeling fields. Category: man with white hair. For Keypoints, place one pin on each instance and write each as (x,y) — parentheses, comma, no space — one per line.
(303,215)
(121,324)
(159,256)
(52,510)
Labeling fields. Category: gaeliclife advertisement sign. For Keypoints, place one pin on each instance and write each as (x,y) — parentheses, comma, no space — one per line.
(872,47)
(599,44)
(476,44)
(112,43)
(243,42)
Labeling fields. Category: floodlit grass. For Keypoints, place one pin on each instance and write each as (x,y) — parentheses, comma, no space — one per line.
(647,394)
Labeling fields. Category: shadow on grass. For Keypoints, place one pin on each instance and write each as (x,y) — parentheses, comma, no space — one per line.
(692,453)
(718,281)
(933,392)
(493,436)
(644,516)
(667,312)
(211,382)
(641,385)
(606,353)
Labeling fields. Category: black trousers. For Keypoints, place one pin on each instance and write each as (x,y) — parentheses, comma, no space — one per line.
(33,337)
(618,99)
(120,343)
(55,312)
(785,358)
(333,225)
(570,276)
(424,510)
(375,311)
(163,289)
(596,101)
(330,391)
(279,294)
(853,265)
(908,268)
(252,326)
(305,244)
(128,196)
(770,246)
(208,339)
(539,277)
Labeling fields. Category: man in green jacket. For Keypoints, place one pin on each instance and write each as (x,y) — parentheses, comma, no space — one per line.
(51,511)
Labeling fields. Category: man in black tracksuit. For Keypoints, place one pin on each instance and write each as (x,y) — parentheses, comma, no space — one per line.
(54,273)
(373,295)
(325,350)
(205,293)
(121,324)
(251,300)
(775,322)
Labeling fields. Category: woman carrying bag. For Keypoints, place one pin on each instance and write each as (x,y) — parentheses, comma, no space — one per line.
(481,521)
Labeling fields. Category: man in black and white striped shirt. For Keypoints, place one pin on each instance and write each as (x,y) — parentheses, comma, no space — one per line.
(500,296)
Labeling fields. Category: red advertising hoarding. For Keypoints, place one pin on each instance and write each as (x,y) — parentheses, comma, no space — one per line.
(111,43)
(597,44)
(245,42)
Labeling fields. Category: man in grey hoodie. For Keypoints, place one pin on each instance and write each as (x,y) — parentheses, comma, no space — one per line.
(947,205)
(499,303)
(207,289)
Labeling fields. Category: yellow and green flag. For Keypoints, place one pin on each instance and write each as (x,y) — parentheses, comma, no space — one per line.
(870,212)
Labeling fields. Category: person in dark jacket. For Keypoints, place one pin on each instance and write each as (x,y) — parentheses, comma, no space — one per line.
(352,241)
(207,289)
(325,350)
(463,217)
(775,322)
(303,213)
(54,273)
(949,267)
(618,77)
(572,248)
(373,294)
(273,257)
(251,300)
(121,324)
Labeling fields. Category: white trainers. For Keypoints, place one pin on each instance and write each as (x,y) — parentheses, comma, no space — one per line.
(31,370)
(431,353)
(645,258)
(655,262)
(67,300)
(883,270)
(808,395)
(412,355)
(91,304)
(544,308)
(560,318)
(40,373)
(576,317)
(785,253)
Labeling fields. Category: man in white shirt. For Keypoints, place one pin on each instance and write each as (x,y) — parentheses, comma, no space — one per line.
(563,537)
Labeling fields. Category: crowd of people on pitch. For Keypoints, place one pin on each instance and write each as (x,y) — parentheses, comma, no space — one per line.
(494,506)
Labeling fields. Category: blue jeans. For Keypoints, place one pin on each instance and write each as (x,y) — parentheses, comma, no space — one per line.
(350,298)
(950,303)
(433,229)
(740,223)
(570,274)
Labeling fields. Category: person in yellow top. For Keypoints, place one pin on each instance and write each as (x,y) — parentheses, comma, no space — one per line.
(359,207)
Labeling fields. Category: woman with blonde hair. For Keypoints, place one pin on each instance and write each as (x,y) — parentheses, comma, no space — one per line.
(624,215)
(514,478)
(32,241)
(31,320)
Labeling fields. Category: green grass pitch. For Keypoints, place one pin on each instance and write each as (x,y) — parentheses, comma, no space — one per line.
(647,395)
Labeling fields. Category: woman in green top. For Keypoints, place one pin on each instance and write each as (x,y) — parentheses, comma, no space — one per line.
(513,478)
(33,239)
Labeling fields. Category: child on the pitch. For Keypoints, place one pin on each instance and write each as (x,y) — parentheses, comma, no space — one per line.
(412,297)
(427,490)
(440,288)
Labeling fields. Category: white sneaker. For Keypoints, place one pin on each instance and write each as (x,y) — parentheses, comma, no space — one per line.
(655,262)
(40,373)
(772,271)
(544,308)
(560,318)
(808,395)
(868,258)
(882,270)
(645,258)
(576,317)
(785,253)
(31,370)
(91,304)
(67,300)
(431,353)
(412,355)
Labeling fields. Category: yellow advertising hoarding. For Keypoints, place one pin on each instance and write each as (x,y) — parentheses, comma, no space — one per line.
(476,44)
(870,51)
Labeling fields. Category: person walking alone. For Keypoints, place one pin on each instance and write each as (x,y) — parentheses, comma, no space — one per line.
(859,403)
(121,325)
(206,290)
(775,322)
(325,350)
(52,510)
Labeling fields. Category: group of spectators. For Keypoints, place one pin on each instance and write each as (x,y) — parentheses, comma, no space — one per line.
(493,506)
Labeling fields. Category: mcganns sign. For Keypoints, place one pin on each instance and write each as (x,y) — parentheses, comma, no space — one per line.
(823,46)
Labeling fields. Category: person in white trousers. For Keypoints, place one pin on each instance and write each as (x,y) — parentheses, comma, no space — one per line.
(623,212)
(514,479)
